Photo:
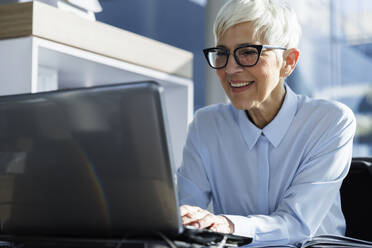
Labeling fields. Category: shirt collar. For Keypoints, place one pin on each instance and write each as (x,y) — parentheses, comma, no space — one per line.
(276,129)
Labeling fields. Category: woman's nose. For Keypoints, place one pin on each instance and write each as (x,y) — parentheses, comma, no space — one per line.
(232,66)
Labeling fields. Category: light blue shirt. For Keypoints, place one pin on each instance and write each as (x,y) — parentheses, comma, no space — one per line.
(279,184)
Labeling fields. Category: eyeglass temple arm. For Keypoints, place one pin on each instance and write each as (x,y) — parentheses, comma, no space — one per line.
(274,47)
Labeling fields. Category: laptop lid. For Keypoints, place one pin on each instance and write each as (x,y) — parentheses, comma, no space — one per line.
(90,162)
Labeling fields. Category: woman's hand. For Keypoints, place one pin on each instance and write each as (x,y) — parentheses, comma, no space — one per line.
(197,217)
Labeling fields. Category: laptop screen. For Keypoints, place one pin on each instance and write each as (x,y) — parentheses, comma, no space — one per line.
(92,162)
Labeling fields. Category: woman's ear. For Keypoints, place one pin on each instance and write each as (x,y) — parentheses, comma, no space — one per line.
(290,58)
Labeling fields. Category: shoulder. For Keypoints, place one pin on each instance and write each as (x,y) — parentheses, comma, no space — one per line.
(213,121)
(321,119)
(325,110)
(214,113)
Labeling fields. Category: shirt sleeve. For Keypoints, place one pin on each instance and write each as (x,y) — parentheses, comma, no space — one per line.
(193,185)
(312,193)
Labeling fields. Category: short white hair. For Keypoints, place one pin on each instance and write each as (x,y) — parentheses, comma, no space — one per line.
(274,22)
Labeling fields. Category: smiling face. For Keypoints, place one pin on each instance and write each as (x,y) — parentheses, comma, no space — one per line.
(259,87)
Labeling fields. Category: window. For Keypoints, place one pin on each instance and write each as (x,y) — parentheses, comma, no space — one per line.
(336,59)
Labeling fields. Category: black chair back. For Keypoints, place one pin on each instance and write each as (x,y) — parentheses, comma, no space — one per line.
(356,199)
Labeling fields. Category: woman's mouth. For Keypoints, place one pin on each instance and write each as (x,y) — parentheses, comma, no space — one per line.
(240,84)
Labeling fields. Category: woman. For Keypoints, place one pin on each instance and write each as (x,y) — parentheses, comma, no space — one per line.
(271,161)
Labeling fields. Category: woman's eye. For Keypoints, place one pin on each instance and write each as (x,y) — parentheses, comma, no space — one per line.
(247,52)
(219,54)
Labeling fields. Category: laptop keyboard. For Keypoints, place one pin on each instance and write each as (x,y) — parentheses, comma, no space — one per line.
(208,237)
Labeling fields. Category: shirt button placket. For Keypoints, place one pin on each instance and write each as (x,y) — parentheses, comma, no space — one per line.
(264,173)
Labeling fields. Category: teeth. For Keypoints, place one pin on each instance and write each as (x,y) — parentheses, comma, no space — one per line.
(240,84)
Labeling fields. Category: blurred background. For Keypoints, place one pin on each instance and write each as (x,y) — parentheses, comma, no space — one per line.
(336,48)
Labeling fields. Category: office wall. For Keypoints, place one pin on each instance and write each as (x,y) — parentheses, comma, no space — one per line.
(214,92)
(180,23)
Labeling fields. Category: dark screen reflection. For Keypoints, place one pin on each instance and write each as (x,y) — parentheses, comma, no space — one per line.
(84,163)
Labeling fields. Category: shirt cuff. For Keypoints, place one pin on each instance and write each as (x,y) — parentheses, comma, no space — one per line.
(242,225)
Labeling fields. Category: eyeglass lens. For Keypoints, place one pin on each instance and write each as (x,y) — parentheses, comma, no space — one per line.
(217,57)
(246,56)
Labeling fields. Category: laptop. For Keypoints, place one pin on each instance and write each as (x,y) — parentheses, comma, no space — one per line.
(91,164)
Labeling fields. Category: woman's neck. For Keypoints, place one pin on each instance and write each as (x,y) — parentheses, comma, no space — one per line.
(262,115)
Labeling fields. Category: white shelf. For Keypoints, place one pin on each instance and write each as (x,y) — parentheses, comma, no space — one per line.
(24,53)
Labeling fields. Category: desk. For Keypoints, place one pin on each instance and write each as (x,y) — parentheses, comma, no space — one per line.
(78,243)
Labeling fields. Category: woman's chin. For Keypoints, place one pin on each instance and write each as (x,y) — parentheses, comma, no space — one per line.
(240,105)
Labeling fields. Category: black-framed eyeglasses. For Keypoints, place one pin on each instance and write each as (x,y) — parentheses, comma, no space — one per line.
(246,55)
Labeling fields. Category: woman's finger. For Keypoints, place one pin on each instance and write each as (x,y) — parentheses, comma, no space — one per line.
(195,216)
